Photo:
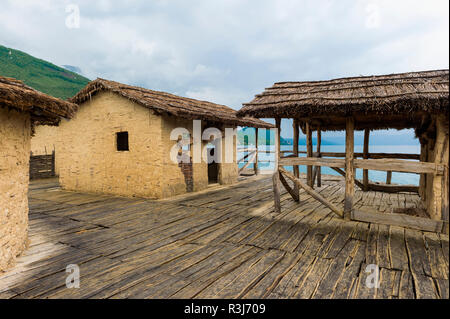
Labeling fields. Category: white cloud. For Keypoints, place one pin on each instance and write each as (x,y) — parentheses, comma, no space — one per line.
(228,50)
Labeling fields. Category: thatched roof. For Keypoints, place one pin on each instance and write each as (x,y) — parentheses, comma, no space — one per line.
(376,102)
(44,109)
(169,104)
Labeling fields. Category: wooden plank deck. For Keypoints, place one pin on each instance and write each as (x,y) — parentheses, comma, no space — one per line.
(223,243)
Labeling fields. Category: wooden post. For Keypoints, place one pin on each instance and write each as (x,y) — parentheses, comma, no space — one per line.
(276,177)
(388,177)
(312,192)
(423,177)
(366,156)
(53,163)
(349,168)
(295,150)
(256,156)
(276,192)
(440,183)
(309,153)
(319,169)
(278,139)
(445,200)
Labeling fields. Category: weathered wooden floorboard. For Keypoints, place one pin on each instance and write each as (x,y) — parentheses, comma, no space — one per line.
(224,242)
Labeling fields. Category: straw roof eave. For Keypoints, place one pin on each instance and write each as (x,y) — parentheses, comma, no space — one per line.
(168,104)
(15,95)
(382,96)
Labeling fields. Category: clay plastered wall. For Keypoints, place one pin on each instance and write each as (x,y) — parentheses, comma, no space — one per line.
(15,151)
(228,172)
(174,182)
(87,157)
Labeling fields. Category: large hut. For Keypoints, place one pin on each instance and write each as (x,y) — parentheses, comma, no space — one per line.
(119,142)
(21,109)
(416,100)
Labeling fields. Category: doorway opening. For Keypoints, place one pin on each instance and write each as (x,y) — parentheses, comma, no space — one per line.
(213,167)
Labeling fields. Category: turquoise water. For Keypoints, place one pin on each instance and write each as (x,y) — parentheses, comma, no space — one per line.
(377,176)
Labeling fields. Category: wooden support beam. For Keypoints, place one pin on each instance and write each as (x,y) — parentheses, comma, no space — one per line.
(255,166)
(278,138)
(276,175)
(311,192)
(315,173)
(393,188)
(248,162)
(399,166)
(295,150)
(401,220)
(329,162)
(246,156)
(445,195)
(423,177)
(376,165)
(366,156)
(349,167)
(388,177)
(360,155)
(358,183)
(441,183)
(288,188)
(276,192)
(309,153)
(381,187)
(318,168)
(390,155)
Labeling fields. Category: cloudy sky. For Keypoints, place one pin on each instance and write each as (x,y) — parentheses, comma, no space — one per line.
(226,51)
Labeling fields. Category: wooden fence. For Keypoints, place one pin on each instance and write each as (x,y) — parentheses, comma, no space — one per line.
(42,166)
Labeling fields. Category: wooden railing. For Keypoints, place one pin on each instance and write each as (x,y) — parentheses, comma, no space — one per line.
(388,165)
(252,156)
(345,164)
(356,155)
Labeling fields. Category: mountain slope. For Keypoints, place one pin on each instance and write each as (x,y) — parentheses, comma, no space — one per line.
(39,74)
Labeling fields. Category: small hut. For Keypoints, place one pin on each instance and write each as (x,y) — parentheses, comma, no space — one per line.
(21,108)
(119,142)
(416,100)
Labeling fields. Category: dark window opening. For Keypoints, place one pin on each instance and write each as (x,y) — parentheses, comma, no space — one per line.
(122,141)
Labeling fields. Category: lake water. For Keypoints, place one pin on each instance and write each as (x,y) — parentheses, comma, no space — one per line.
(377,176)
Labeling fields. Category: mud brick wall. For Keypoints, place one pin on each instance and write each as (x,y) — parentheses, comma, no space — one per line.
(87,160)
(15,138)
(187,170)
(86,152)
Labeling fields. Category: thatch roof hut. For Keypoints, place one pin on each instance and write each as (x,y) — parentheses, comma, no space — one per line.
(376,102)
(21,107)
(44,109)
(418,100)
(121,140)
(169,104)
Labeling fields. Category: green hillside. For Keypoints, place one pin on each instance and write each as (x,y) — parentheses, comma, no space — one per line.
(39,74)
